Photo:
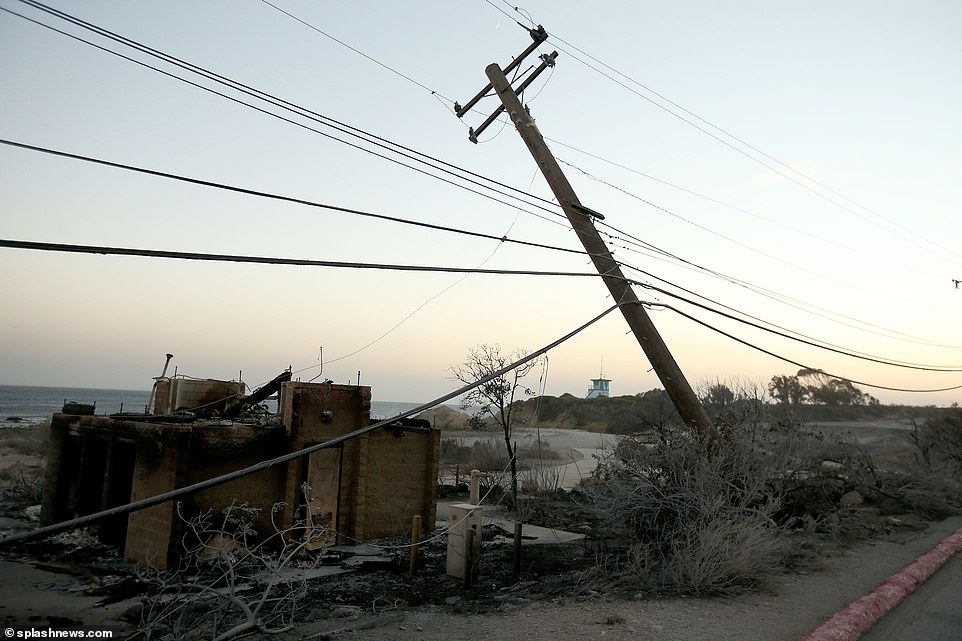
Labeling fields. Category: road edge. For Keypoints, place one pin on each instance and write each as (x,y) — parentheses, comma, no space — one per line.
(856,618)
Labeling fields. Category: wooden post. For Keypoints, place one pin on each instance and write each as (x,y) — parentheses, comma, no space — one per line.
(516,568)
(415,542)
(469,557)
(686,402)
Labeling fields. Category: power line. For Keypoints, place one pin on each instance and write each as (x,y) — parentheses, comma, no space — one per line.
(291,456)
(741,244)
(462,230)
(273,99)
(756,318)
(801,305)
(385,144)
(358,51)
(262,194)
(742,210)
(265,260)
(290,199)
(955,256)
(793,362)
(805,341)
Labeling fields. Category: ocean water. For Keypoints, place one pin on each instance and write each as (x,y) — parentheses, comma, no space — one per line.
(38,404)
(25,405)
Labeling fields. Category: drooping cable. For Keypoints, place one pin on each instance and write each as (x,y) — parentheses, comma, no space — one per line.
(757,216)
(804,341)
(280,197)
(286,458)
(267,260)
(742,313)
(802,181)
(469,177)
(794,362)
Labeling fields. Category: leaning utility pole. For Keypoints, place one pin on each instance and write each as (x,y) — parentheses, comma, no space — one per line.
(686,402)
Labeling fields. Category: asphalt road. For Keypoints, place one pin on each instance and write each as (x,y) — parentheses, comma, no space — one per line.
(932,613)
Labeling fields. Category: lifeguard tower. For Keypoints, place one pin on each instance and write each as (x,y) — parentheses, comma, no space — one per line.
(599,386)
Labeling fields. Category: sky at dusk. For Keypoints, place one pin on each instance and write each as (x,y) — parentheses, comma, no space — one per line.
(793,166)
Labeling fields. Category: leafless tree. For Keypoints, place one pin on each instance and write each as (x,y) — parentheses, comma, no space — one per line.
(495,398)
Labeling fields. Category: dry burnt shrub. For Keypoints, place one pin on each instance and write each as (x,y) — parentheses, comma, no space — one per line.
(20,487)
(845,489)
(21,484)
(695,519)
(231,582)
(932,487)
(942,440)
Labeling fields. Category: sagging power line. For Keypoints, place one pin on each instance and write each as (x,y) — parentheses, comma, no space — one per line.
(165,497)
(384,143)
(386,146)
(758,156)
(619,261)
(289,199)
(266,260)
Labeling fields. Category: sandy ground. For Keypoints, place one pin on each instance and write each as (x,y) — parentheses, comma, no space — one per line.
(580,450)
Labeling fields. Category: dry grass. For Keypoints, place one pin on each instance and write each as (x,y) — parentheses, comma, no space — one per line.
(29,440)
(21,474)
(21,487)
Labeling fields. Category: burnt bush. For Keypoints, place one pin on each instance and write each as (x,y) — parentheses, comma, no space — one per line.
(695,519)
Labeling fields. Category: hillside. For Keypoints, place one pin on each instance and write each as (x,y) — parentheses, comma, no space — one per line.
(631,414)
(615,414)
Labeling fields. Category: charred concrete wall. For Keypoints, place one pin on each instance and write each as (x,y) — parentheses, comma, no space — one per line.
(384,479)
(366,487)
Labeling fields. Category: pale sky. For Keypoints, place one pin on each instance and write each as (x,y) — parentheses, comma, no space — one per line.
(862,97)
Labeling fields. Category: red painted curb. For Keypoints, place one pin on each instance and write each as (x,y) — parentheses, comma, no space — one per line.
(851,622)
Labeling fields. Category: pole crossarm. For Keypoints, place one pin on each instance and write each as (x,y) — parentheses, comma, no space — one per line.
(538,35)
(547,60)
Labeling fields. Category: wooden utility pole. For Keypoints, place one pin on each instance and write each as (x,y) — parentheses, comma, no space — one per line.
(686,402)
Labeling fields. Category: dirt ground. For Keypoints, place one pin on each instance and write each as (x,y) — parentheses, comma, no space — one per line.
(789,608)
(71,580)
(60,595)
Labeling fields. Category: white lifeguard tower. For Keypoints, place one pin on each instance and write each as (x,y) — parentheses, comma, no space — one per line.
(599,386)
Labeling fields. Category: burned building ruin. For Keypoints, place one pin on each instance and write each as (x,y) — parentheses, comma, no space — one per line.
(366,487)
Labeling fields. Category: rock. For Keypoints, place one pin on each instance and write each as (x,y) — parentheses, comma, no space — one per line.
(12,524)
(851,499)
(346,611)
(221,546)
(446,418)
(832,466)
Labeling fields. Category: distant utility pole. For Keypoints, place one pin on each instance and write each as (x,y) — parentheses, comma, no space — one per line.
(686,402)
